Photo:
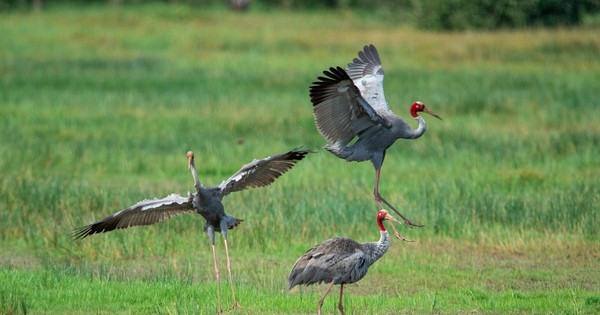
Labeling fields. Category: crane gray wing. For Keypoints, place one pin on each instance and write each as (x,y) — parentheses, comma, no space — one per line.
(340,112)
(367,73)
(334,259)
(259,173)
(145,212)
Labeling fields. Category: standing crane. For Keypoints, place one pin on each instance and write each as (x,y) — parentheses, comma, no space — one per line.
(350,105)
(206,201)
(340,260)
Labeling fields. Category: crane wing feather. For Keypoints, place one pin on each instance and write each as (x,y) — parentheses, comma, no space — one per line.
(327,261)
(340,112)
(367,73)
(260,173)
(146,212)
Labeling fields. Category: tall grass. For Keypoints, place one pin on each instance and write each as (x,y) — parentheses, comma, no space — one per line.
(98,107)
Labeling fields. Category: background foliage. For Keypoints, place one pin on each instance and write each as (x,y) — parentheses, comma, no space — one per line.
(489,14)
(426,14)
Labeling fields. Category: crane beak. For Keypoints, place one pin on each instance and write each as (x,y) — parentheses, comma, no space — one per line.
(391,218)
(426,110)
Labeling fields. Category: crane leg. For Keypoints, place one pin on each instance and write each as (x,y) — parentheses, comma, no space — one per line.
(320,304)
(340,304)
(220,309)
(211,235)
(380,199)
(235,302)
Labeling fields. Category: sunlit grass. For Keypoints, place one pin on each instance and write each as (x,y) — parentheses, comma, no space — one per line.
(98,107)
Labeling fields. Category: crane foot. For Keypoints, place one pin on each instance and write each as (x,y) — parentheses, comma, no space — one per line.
(409,223)
(397,235)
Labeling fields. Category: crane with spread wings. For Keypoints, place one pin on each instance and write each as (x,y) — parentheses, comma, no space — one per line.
(206,201)
(351,113)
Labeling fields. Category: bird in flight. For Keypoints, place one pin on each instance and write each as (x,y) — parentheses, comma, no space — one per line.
(351,113)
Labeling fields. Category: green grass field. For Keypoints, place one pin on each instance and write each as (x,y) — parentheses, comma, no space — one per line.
(98,107)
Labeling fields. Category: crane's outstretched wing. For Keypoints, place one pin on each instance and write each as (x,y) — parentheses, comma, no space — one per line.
(367,74)
(263,172)
(145,212)
(340,112)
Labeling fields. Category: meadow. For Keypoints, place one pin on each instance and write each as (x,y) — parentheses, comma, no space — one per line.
(99,105)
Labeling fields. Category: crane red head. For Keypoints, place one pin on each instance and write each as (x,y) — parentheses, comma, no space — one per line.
(384,215)
(418,106)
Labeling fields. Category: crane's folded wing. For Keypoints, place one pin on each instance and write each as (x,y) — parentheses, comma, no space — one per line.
(338,258)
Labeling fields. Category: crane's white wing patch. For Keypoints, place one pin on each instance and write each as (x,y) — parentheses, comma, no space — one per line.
(259,173)
(366,72)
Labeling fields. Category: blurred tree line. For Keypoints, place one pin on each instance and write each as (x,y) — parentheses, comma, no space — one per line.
(491,14)
(426,14)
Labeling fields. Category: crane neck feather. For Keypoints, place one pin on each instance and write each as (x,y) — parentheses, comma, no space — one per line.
(416,133)
(377,249)
(195,175)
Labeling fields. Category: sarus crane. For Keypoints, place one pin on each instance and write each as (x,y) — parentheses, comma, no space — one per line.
(206,201)
(352,114)
(340,260)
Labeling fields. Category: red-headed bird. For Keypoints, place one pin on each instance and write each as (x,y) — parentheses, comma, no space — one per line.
(352,114)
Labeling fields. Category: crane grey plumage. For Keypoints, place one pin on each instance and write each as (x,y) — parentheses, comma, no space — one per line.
(347,261)
(146,212)
(339,109)
(340,260)
(367,74)
(259,173)
(206,201)
(351,113)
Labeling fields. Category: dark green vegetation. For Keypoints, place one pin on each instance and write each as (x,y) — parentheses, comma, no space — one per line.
(425,14)
(490,14)
(98,108)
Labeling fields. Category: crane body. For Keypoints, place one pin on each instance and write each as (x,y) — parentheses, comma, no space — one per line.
(351,113)
(205,201)
(340,260)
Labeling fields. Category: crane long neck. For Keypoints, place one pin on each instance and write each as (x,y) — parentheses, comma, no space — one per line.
(195,175)
(377,249)
(421,128)
(416,133)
